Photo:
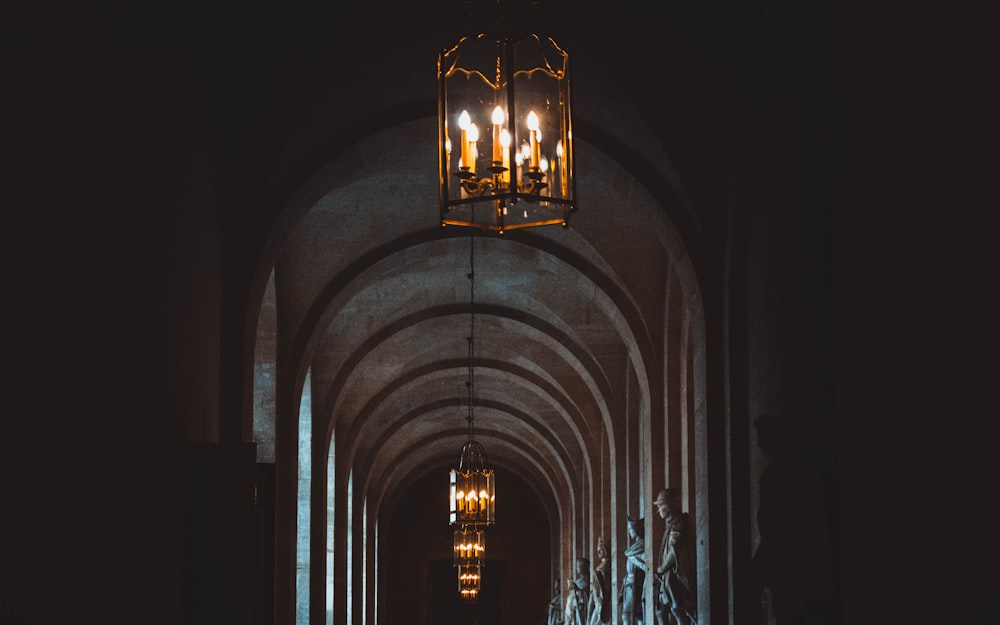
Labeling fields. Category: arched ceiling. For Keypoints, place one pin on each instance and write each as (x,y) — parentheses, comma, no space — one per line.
(377,297)
(372,295)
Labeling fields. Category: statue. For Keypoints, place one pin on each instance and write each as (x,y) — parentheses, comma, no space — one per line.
(555,606)
(635,574)
(578,595)
(675,572)
(600,604)
(571,615)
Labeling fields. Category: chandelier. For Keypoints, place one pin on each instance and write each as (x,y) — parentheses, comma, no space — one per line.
(470,551)
(472,485)
(470,545)
(469,577)
(505,133)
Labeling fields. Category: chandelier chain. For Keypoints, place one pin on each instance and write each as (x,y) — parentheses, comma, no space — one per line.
(472,325)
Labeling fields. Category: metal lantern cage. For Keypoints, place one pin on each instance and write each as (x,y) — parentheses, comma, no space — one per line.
(505,133)
(472,488)
(469,578)
(470,546)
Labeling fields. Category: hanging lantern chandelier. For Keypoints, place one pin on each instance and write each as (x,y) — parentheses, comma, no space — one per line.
(505,133)
(469,577)
(472,487)
(470,545)
(470,552)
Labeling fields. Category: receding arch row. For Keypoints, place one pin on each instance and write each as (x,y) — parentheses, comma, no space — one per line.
(375,337)
(600,395)
(442,414)
(459,308)
(525,326)
(591,276)
(497,422)
(338,171)
(323,310)
(583,527)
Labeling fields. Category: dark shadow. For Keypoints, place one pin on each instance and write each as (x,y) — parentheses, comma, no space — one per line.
(447,608)
(793,566)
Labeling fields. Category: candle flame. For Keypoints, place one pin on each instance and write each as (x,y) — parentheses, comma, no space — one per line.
(532,121)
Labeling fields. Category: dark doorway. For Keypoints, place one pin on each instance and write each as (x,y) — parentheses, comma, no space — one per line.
(415,536)
(447,608)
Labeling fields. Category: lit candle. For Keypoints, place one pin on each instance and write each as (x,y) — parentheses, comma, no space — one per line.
(498,117)
(505,154)
(533,130)
(565,166)
(518,160)
(473,151)
(558,170)
(463,123)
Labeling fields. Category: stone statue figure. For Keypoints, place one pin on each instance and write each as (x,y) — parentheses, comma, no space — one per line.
(675,572)
(571,614)
(600,587)
(578,595)
(555,606)
(635,574)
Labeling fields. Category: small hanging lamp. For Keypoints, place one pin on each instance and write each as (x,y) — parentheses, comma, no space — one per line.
(472,487)
(469,578)
(470,545)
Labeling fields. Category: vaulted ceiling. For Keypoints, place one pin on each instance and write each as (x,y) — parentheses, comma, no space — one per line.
(584,335)
(372,294)
(376,300)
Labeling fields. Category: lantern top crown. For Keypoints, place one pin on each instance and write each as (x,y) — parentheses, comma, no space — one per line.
(473,456)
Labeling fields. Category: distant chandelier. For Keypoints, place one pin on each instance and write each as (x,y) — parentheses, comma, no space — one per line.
(469,578)
(517,172)
(470,552)
(470,546)
(472,487)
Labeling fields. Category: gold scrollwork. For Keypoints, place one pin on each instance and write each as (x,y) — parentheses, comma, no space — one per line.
(494,185)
